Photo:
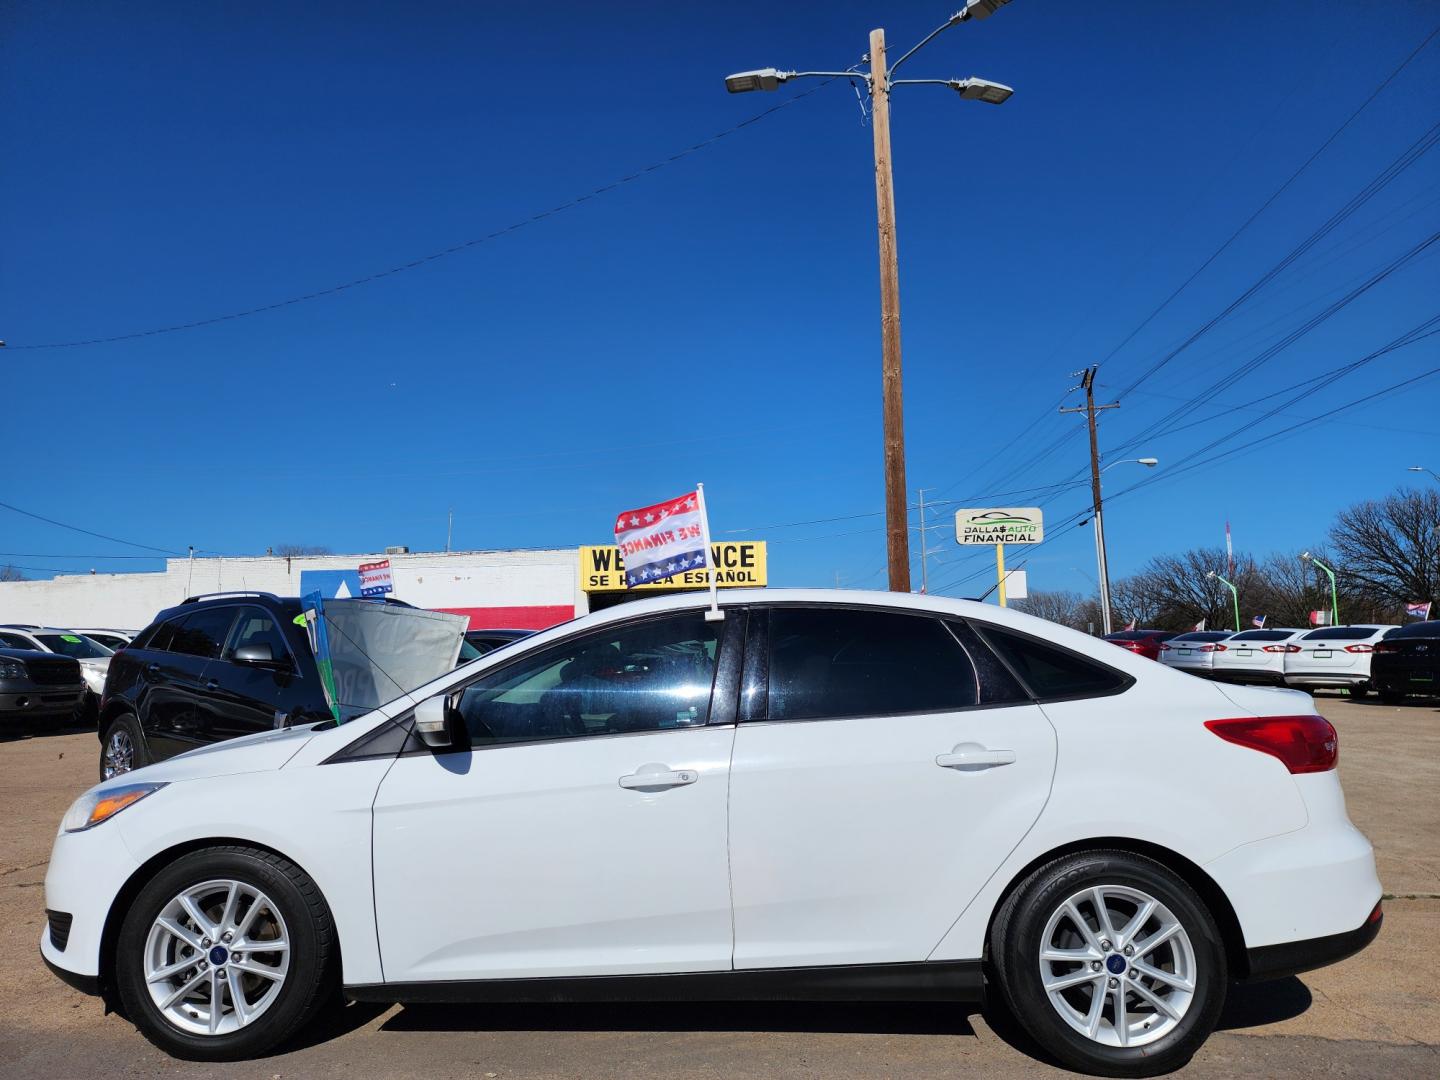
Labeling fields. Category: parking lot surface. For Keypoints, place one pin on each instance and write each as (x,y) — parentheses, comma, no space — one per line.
(1376,1014)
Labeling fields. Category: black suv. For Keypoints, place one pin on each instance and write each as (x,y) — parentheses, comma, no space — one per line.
(214,667)
(39,685)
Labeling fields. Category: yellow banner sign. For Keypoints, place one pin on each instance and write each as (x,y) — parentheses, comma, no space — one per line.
(737,565)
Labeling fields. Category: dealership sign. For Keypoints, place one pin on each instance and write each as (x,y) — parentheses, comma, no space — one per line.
(375,578)
(736,565)
(1002,525)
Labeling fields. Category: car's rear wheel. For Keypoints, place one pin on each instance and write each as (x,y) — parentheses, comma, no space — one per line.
(224,954)
(1391,697)
(1111,962)
(123,748)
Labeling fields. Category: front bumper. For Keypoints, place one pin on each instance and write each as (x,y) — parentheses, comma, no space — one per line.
(1293,957)
(42,701)
(87,872)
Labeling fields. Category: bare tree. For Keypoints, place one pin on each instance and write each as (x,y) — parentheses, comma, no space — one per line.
(290,551)
(9,572)
(1178,591)
(1289,589)
(1390,548)
(1059,606)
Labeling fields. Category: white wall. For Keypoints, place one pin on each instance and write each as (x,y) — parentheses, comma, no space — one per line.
(463,580)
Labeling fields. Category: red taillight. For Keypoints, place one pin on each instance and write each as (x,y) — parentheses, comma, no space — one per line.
(1282,648)
(1164,647)
(1359,648)
(1387,646)
(1211,648)
(1378,913)
(1304,744)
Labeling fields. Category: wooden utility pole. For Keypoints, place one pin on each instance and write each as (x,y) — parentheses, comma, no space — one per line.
(1090,409)
(897,521)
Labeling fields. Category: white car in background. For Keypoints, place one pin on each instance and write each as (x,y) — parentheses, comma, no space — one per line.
(821,795)
(1256,656)
(114,640)
(94,657)
(1194,652)
(1334,656)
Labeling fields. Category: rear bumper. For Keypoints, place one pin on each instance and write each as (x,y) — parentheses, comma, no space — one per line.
(1325,678)
(1254,676)
(1291,958)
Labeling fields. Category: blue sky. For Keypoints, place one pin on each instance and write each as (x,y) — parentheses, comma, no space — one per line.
(715,319)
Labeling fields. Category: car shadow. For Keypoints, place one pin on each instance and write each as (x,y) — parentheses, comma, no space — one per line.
(1413,701)
(19,731)
(887,1018)
(1254,1004)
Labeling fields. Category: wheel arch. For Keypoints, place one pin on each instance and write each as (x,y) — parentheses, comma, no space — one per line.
(142,876)
(1232,936)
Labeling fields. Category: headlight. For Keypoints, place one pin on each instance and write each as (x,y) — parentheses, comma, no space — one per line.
(94,678)
(96,806)
(12,669)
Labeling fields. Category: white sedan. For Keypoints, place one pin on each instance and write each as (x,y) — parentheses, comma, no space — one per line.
(1194,652)
(822,795)
(1256,656)
(1334,656)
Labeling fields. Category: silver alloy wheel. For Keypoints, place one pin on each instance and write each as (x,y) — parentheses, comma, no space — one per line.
(1117,965)
(119,753)
(216,957)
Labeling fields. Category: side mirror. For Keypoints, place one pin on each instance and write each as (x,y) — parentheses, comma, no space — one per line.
(433,723)
(259,654)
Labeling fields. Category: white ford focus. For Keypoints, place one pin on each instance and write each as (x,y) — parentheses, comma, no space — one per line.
(822,796)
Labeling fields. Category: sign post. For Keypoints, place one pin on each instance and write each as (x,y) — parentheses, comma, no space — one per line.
(1000,526)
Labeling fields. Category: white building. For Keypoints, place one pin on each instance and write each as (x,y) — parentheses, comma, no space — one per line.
(512,589)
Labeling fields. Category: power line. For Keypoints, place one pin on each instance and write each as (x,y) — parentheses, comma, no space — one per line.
(1273,196)
(88,532)
(444,252)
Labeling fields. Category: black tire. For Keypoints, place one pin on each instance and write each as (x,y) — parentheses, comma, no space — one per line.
(127,725)
(1391,697)
(308,984)
(1359,691)
(1015,943)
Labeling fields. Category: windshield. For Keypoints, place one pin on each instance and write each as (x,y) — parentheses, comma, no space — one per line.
(76,645)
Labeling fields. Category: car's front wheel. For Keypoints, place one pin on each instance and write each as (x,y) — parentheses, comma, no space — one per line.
(1111,962)
(224,954)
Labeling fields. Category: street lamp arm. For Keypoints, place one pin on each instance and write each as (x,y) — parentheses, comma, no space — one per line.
(922,82)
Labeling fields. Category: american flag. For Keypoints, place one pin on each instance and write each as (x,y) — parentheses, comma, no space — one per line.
(659,541)
(1418,610)
(1258,621)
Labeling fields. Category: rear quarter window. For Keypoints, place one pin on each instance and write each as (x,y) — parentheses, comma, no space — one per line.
(1052,672)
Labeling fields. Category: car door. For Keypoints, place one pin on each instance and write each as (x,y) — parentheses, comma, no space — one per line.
(239,697)
(885,765)
(583,831)
(173,679)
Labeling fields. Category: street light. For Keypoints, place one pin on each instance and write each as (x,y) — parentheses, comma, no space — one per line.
(1102,563)
(880,81)
(1413,468)
(1234,595)
(1305,556)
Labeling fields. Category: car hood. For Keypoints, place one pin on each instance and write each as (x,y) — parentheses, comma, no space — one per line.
(262,752)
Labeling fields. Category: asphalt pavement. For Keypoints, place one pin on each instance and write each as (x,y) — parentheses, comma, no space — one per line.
(1377,1014)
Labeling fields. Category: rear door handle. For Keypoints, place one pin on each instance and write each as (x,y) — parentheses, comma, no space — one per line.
(976,758)
(212,684)
(153,669)
(657,778)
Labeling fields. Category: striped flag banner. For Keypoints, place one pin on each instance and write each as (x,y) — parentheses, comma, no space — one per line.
(1419,610)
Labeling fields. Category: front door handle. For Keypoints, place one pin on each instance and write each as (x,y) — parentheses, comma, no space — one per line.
(152,669)
(212,684)
(655,777)
(971,756)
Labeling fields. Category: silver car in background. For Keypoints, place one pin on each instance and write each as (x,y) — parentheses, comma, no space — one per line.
(1194,652)
(1334,656)
(1256,656)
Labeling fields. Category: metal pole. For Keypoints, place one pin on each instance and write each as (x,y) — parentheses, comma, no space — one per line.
(1334,592)
(897,522)
(714,614)
(449,528)
(1000,572)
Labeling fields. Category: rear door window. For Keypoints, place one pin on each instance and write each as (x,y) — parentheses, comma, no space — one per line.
(1052,672)
(203,633)
(832,662)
